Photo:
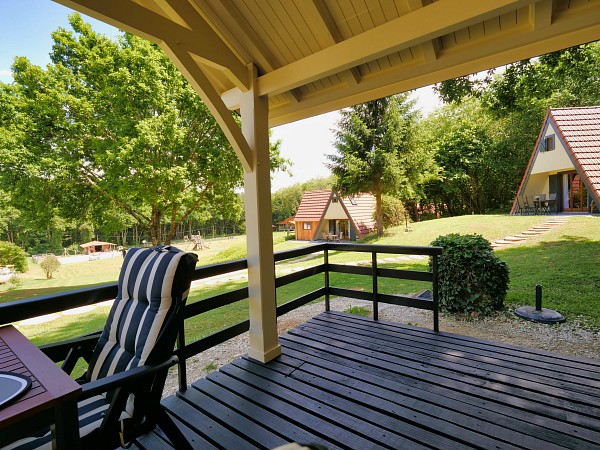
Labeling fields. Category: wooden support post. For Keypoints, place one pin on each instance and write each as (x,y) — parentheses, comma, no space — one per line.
(375,288)
(436,303)
(326,263)
(264,343)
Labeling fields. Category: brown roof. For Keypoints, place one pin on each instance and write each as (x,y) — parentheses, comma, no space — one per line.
(95,243)
(313,205)
(287,221)
(580,130)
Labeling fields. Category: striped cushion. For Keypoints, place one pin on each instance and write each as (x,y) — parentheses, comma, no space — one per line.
(91,412)
(148,293)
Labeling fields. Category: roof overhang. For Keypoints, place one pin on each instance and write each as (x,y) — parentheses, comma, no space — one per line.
(315,56)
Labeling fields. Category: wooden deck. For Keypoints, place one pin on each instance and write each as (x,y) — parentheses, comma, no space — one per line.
(349,382)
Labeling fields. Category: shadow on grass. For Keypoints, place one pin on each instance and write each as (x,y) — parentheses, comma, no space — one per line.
(568,271)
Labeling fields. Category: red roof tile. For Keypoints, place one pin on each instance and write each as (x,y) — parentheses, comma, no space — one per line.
(580,129)
(313,205)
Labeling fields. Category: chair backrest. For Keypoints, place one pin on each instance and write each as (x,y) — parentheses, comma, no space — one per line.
(552,197)
(520,202)
(142,324)
(542,197)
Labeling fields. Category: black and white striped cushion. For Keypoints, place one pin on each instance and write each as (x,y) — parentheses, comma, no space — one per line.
(147,295)
(153,283)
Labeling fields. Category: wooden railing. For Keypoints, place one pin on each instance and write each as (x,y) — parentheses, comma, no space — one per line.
(37,306)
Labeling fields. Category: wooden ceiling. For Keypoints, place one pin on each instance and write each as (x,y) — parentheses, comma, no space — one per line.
(315,56)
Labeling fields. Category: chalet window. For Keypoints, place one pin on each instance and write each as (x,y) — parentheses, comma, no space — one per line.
(352,200)
(549,143)
(334,200)
(306,226)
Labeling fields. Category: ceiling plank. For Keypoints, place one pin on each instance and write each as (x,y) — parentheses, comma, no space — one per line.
(411,29)
(136,19)
(494,51)
(202,85)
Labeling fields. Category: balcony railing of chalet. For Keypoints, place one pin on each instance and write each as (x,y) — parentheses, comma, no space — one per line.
(37,306)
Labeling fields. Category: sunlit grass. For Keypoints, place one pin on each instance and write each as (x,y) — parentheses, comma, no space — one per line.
(565,261)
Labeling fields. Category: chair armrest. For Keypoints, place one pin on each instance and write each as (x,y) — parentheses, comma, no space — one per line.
(58,351)
(71,350)
(124,378)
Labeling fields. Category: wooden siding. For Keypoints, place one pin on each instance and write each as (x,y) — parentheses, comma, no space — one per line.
(348,382)
(306,235)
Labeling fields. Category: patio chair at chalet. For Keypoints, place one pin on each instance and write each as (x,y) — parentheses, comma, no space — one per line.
(522,207)
(129,359)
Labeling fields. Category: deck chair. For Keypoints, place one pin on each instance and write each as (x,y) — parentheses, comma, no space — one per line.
(130,357)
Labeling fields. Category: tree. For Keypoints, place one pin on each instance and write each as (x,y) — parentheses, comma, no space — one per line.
(113,124)
(49,265)
(376,150)
(13,255)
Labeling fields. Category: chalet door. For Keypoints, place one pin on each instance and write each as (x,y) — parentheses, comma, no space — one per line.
(575,195)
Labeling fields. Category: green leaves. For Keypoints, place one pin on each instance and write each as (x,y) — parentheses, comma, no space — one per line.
(113,124)
(472,279)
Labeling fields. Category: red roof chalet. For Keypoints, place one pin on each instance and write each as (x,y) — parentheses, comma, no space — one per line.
(324,214)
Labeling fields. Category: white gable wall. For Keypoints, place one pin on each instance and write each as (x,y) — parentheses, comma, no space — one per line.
(335,211)
(556,160)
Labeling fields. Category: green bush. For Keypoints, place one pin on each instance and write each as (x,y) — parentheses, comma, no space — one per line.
(49,265)
(11,254)
(472,279)
(392,210)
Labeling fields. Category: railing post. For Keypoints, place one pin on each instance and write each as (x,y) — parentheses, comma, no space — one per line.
(374,275)
(326,262)
(436,319)
(181,370)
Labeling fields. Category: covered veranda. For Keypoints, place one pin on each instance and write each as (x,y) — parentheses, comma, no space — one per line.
(279,61)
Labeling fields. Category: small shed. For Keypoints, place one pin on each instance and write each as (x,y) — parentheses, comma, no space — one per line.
(286,224)
(97,246)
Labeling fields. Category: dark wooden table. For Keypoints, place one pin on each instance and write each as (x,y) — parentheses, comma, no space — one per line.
(52,398)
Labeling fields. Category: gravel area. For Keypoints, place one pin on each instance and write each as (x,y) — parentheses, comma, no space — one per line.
(568,338)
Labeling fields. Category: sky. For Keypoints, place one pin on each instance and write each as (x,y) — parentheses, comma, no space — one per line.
(25,28)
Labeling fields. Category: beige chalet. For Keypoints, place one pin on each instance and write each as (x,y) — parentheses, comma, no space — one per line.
(565,163)
(324,213)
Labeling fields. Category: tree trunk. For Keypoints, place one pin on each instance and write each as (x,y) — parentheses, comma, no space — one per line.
(154,226)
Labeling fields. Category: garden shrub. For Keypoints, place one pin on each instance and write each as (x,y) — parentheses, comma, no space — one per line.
(12,254)
(49,265)
(472,279)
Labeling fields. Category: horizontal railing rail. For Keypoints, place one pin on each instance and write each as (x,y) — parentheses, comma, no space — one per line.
(33,307)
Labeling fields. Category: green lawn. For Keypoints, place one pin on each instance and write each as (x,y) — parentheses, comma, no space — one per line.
(565,261)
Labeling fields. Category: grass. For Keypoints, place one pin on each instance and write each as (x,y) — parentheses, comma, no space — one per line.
(564,261)
(358,311)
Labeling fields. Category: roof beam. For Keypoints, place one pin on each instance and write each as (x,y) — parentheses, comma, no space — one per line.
(134,18)
(419,26)
(202,85)
(540,14)
(490,52)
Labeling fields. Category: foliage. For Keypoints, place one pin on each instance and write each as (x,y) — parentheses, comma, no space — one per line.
(477,173)
(111,127)
(11,254)
(358,311)
(472,279)
(377,152)
(49,265)
(393,211)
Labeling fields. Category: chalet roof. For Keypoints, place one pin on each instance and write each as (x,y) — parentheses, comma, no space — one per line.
(313,205)
(580,131)
(361,208)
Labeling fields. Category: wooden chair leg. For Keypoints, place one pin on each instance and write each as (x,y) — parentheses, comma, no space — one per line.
(174,434)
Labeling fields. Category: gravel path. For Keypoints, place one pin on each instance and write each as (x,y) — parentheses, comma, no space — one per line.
(568,338)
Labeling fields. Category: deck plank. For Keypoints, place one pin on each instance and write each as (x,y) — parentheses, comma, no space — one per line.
(350,382)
